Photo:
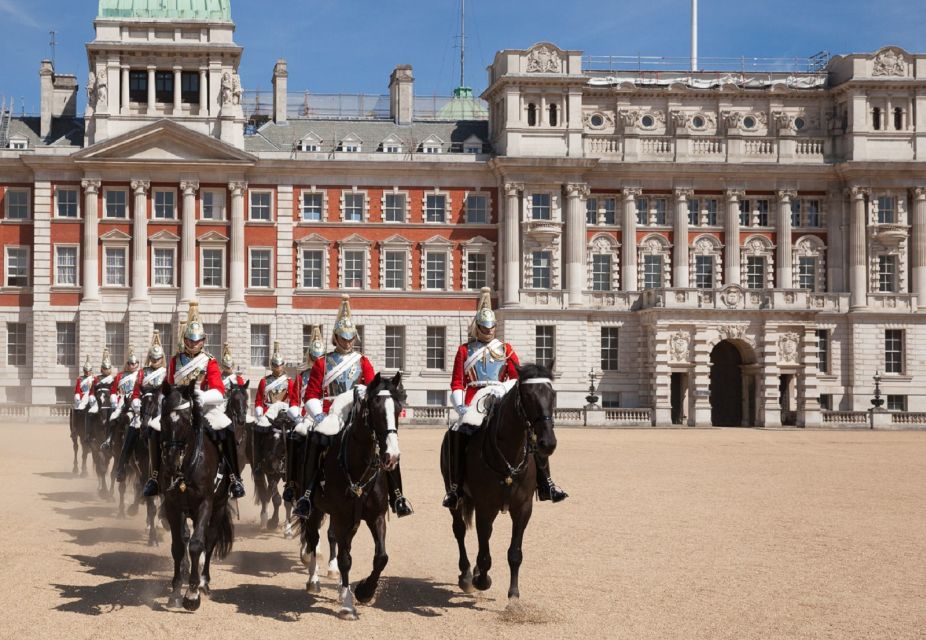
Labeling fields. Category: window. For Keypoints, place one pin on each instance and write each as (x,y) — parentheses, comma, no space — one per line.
(762,213)
(477,209)
(213,342)
(609,205)
(394,270)
(308,145)
(115,342)
(435,208)
(16,344)
(531,115)
(642,211)
(17,266)
(115,271)
(886,210)
(213,268)
(165,329)
(812,213)
(138,86)
(745,209)
(755,272)
(540,207)
(876,118)
(349,146)
(67,202)
(807,273)
(261,260)
(163,268)
(67,344)
(887,273)
(260,345)
(652,272)
(694,211)
(164,86)
(477,271)
(591,211)
(610,399)
(710,205)
(601,272)
(436,348)
(189,87)
(609,340)
(353,207)
(392,147)
(213,205)
(17,204)
(18,144)
(164,203)
(660,205)
(394,207)
(395,348)
(312,272)
(898,121)
(436,270)
(704,272)
(312,206)
(260,205)
(436,398)
(893,351)
(354,269)
(117,203)
(545,345)
(540,278)
(894,402)
(553,115)
(823,350)
(826,401)
(795,213)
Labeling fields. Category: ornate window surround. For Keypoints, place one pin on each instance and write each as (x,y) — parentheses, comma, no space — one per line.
(365,214)
(354,242)
(313,242)
(757,245)
(436,191)
(163,240)
(437,244)
(810,246)
(655,244)
(312,189)
(117,239)
(395,243)
(485,193)
(527,262)
(478,245)
(604,244)
(706,244)
(382,202)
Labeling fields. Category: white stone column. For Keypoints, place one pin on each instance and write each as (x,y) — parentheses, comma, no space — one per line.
(918,246)
(629,240)
(91,235)
(178,78)
(680,238)
(124,91)
(188,241)
(236,275)
(140,241)
(835,241)
(512,254)
(858,271)
(784,271)
(203,91)
(576,269)
(151,93)
(731,256)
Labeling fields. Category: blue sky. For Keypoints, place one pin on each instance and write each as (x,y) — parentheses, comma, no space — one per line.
(350,46)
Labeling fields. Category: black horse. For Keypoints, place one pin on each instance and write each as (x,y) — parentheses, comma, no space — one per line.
(268,467)
(236,408)
(96,432)
(139,465)
(356,489)
(190,486)
(78,428)
(501,474)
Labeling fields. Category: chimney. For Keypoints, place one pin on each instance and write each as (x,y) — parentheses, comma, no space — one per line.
(280,76)
(402,94)
(47,97)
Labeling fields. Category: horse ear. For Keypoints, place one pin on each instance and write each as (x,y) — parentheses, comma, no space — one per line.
(190,388)
(247,383)
(397,379)
(377,380)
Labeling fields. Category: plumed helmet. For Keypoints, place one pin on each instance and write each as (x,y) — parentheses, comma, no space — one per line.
(131,358)
(276,358)
(344,325)
(485,317)
(87,366)
(194,328)
(316,348)
(227,360)
(107,362)
(155,351)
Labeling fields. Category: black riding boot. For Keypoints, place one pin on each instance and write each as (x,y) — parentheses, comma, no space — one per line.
(546,488)
(293,462)
(154,461)
(304,504)
(230,453)
(398,502)
(127,447)
(110,432)
(456,445)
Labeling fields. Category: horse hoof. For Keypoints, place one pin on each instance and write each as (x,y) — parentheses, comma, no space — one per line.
(132,510)
(482,582)
(205,590)
(333,571)
(273,524)
(83,474)
(313,587)
(364,593)
(75,471)
(466,582)
(191,604)
(346,613)
(175,602)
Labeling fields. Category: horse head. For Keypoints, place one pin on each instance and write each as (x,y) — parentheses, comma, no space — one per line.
(149,406)
(536,404)
(273,451)
(237,404)
(103,396)
(178,427)
(385,398)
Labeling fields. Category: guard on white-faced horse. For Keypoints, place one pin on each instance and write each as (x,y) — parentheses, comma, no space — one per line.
(355,488)
(501,474)
(480,364)
(97,416)
(78,427)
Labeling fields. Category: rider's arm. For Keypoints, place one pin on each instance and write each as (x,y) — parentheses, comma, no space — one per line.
(136,390)
(212,390)
(512,363)
(458,378)
(313,390)
(260,402)
(366,371)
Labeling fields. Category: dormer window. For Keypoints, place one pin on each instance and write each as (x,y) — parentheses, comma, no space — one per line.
(307,145)
(19,144)
(349,145)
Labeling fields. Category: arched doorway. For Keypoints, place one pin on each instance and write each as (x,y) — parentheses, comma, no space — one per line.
(732,391)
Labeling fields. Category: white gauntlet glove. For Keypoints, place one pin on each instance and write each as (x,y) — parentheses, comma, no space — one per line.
(294,412)
(136,405)
(211,397)
(361,391)
(77,401)
(258,412)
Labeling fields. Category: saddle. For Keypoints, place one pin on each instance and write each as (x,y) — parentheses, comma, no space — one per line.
(481,406)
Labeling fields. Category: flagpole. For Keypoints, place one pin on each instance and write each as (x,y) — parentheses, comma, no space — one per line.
(694,35)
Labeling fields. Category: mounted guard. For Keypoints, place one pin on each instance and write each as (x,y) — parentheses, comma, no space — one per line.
(121,392)
(294,462)
(229,375)
(148,381)
(84,387)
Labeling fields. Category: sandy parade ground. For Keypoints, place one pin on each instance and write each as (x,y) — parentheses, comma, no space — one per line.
(667,534)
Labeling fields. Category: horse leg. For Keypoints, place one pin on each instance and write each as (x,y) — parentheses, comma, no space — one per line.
(85,451)
(260,490)
(277,500)
(367,589)
(288,528)
(345,535)
(332,551)
(519,522)
(484,522)
(197,550)
(178,551)
(307,553)
(121,513)
(151,511)
(459,532)
(75,469)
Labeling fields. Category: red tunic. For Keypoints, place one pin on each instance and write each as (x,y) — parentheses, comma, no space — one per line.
(136,392)
(301,383)
(114,388)
(291,394)
(77,388)
(459,379)
(239,380)
(212,379)
(315,390)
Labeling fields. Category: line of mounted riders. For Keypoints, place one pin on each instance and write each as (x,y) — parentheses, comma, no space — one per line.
(330,435)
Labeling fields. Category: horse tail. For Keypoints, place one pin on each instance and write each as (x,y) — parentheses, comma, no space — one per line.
(468,510)
(225,533)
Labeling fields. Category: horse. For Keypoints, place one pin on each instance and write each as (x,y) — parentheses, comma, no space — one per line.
(96,433)
(356,489)
(138,466)
(268,467)
(500,473)
(190,486)
(236,408)
(117,427)
(78,428)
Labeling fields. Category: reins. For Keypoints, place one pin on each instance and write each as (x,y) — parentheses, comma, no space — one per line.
(374,465)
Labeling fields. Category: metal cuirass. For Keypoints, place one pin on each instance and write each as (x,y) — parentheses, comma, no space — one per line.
(487,368)
(347,379)
(275,395)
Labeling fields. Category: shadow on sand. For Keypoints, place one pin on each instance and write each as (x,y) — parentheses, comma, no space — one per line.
(57,475)
(69,497)
(102,535)
(123,564)
(104,598)
(261,564)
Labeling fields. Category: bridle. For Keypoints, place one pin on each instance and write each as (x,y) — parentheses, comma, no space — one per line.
(178,481)
(374,464)
(235,411)
(512,472)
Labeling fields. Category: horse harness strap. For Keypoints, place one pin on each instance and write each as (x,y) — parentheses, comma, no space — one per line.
(358,488)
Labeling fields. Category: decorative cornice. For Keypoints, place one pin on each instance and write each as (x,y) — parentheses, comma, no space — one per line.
(189,187)
(513,188)
(91,186)
(237,188)
(141,187)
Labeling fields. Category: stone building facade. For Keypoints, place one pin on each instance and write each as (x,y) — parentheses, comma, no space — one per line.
(722,247)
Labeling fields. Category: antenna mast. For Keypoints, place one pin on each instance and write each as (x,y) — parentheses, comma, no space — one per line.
(52,44)
(462,42)
(694,35)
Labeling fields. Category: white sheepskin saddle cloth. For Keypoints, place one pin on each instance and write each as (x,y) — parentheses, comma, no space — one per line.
(271,414)
(155,423)
(481,404)
(337,416)
(216,418)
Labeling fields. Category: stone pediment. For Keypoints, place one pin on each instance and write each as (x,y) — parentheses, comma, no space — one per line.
(395,240)
(164,142)
(212,236)
(313,239)
(115,236)
(164,236)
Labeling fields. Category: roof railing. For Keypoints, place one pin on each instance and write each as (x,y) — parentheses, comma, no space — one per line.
(744,64)
(344,106)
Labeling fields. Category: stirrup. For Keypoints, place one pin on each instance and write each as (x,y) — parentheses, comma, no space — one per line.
(235,488)
(151,488)
(304,506)
(401,507)
(453,499)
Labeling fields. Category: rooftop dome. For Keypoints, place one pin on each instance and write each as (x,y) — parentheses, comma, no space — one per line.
(216,10)
(463,106)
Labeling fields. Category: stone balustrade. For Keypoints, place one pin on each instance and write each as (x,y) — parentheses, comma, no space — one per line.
(706,149)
